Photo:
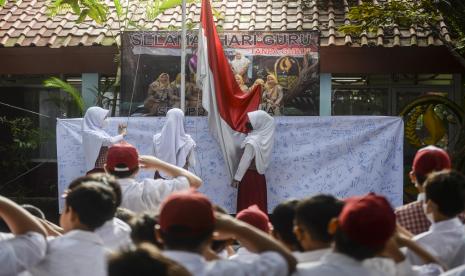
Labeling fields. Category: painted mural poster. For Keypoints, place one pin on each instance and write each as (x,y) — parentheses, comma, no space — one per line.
(285,64)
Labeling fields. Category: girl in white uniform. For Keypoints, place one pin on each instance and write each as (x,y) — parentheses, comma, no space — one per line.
(172,144)
(95,140)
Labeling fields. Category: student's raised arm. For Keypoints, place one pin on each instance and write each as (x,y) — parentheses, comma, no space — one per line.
(152,162)
(19,220)
(253,239)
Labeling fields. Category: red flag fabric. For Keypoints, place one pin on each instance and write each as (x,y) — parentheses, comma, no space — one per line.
(226,103)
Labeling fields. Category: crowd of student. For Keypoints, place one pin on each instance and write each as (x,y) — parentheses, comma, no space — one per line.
(114,225)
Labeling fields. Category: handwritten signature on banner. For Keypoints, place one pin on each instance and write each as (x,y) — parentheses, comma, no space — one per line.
(343,156)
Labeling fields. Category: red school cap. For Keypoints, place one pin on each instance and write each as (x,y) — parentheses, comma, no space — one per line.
(122,157)
(368,220)
(186,213)
(430,159)
(255,217)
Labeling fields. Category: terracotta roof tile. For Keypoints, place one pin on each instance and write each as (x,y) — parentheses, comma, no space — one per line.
(25,23)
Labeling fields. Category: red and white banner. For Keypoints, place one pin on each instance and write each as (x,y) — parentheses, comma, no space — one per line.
(226,103)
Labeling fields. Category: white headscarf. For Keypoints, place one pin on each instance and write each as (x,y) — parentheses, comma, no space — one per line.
(172,144)
(261,138)
(93,134)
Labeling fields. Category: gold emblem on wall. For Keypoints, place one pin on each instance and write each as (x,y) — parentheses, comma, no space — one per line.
(428,118)
(287,70)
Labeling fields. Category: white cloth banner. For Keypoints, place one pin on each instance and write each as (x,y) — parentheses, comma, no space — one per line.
(343,156)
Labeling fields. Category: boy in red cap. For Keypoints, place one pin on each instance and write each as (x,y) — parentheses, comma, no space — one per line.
(186,225)
(364,229)
(445,199)
(361,231)
(255,217)
(426,161)
(123,162)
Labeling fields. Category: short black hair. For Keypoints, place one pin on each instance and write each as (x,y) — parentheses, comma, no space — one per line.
(316,212)
(104,179)
(282,220)
(172,240)
(447,190)
(143,229)
(420,178)
(144,260)
(93,202)
(123,174)
(343,244)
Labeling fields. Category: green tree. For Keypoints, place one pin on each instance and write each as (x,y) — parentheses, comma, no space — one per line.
(100,12)
(20,138)
(424,15)
(76,98)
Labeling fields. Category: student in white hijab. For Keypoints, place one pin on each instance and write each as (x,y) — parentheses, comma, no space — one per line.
(249,177)
(95,140)
(172,144)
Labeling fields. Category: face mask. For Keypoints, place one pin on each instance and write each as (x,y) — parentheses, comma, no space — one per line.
(248,125)
(429,216)
(421,197)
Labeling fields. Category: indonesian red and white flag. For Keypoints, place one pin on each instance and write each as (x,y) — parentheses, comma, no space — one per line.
(222,97)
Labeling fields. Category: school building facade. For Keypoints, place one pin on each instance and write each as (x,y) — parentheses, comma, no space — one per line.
(370,74)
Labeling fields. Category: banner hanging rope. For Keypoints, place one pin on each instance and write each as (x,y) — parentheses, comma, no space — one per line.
(25,110)
(133,90)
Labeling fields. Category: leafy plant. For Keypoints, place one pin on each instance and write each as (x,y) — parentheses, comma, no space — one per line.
(18,141)
(102,99)
(426,16)
(97,10)
(423,15)
(100,12)
(76,97)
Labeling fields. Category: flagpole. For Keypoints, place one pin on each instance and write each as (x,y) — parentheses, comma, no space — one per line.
(183,57)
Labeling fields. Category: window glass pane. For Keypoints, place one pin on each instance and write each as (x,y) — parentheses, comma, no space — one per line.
(359,101)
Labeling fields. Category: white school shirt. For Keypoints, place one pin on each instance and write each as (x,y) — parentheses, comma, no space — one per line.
(310,256)
(76,253)
(6,236)
(244,163)
(115,234)
(383,266)
(148,194)
(445,240)
(458,271)
(244,255)
(404,268)
(21,252)
(336,264)
(267,264)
